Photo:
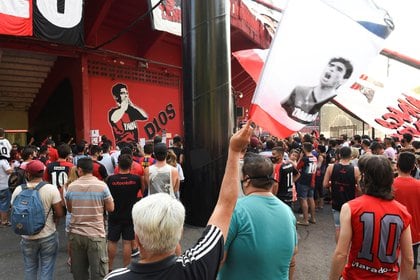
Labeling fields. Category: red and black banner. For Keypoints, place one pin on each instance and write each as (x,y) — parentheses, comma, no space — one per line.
(58,21)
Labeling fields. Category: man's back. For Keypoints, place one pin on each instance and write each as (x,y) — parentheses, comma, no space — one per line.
(199,262)
(407,192)
(99,170)
(262,235)
(284,174)
(343,185)
(49,195)
(307,168)
(136,169)
(87,195)
(57,172)
(372,247)
(124,189)
(5,148)
(4,175)
(160,179)
(108,162)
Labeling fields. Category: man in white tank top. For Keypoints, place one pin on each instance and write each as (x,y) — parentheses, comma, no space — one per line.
(162,177)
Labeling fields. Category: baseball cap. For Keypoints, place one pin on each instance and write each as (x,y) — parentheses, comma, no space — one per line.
(34,167)
(254,141)
(160,148)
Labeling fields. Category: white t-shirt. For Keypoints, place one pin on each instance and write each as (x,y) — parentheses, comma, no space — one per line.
(115,156)
(5,148)
(49,195)
(107,161)
(4,177)
(180,172)
(390,153)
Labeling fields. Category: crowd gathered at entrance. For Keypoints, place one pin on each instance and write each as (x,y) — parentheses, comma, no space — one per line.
(270,187)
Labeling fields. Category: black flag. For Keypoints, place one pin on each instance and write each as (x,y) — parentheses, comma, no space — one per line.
(59,21)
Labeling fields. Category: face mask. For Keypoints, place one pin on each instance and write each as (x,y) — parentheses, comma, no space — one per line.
(274,159)
(100,158)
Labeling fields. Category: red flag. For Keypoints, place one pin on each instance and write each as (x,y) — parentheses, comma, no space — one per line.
(252,61)
(16,17)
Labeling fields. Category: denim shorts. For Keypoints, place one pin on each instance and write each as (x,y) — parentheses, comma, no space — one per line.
(304,191)
(5,197)
(336,216)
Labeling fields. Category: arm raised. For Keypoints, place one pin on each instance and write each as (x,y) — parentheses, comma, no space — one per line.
(228,195)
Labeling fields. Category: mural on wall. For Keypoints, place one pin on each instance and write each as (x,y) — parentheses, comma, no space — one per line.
(123,118)
(131,111)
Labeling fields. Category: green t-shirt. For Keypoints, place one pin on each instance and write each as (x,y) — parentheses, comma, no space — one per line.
(261,240)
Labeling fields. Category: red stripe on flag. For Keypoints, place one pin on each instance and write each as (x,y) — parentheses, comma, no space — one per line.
(251,61)
(263,119)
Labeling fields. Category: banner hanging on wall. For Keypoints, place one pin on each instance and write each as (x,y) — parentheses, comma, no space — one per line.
(308,63)
(59,23)
(56,21)
(16,17)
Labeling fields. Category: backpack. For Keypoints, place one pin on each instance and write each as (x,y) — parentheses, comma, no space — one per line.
(28,215)
(16,178)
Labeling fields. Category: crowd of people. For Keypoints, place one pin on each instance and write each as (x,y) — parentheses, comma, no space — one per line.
(96,188)
(373,187)
(133,193)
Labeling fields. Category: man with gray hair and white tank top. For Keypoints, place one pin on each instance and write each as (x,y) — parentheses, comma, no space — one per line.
(162,177)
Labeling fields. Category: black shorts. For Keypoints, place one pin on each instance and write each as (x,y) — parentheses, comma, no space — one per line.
(118,229)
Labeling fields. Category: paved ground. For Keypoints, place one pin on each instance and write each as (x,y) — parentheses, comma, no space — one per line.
(316,245)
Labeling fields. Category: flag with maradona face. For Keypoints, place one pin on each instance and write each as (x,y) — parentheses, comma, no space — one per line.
(319,47)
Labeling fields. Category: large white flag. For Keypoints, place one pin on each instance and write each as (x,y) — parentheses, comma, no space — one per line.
(386,104)
(319,47)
